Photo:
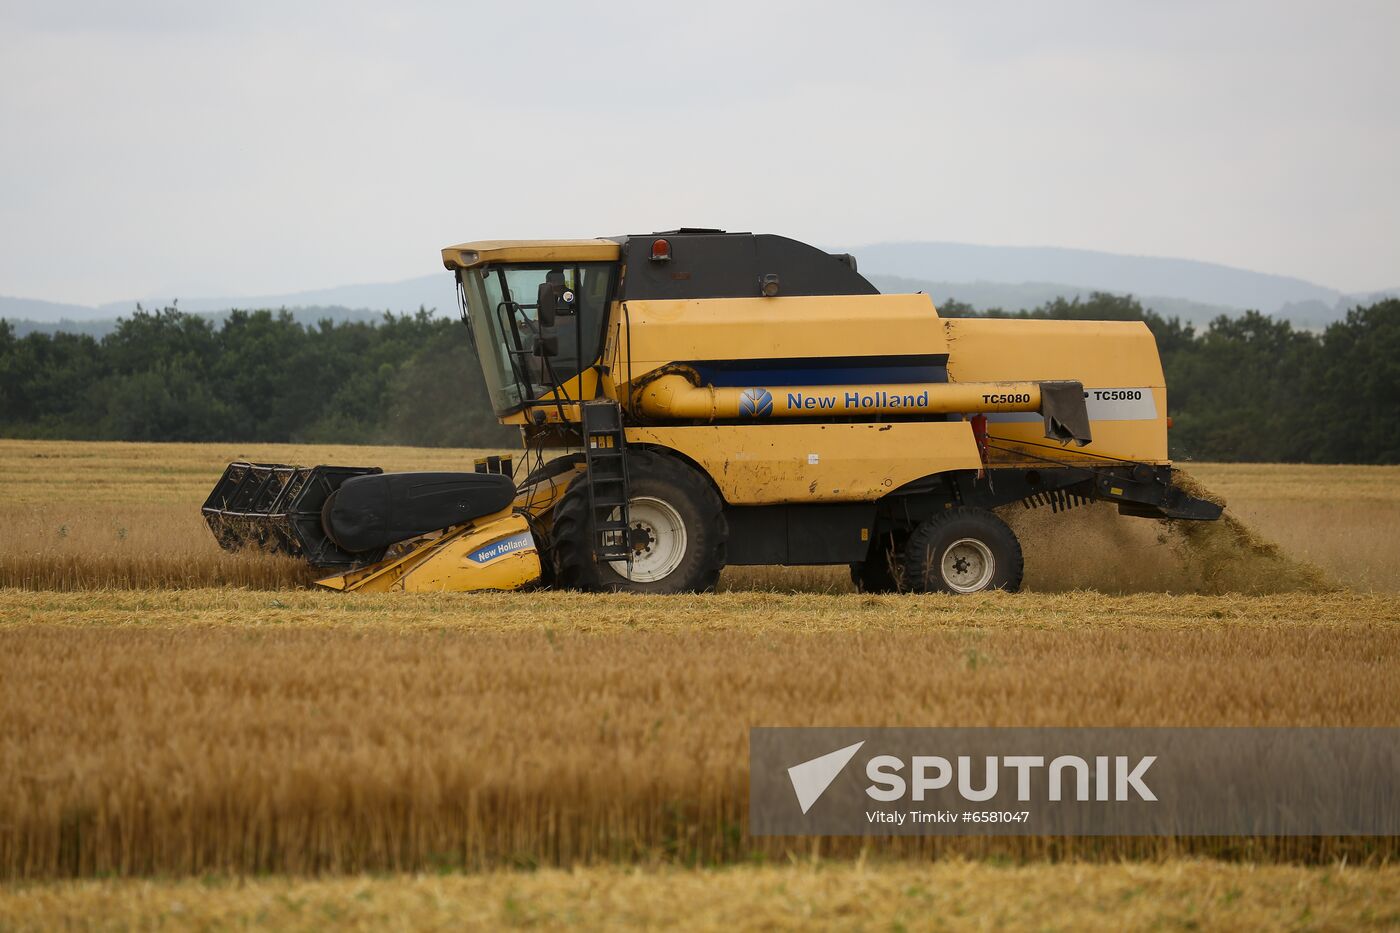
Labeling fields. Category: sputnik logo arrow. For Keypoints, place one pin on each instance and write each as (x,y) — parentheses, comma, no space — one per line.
(811,778)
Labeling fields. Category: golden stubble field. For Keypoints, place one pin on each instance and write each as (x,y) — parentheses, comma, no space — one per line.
(167,711)
(84,515)
(951,894)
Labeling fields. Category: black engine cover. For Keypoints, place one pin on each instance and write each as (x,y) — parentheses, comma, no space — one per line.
(369,512)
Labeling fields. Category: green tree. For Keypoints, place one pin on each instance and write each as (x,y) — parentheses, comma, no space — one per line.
(1353,388)
(1244,388)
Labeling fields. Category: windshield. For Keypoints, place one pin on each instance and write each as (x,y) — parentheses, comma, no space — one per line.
(501,310)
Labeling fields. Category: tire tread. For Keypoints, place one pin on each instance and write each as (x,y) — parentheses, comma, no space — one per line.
(572,540)
(1005,547)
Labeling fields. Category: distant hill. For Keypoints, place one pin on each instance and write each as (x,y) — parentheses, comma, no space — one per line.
(31,308)
(430,291)
(1201,282)
(435,292)
(986,295)
(1007,277)
(101,327)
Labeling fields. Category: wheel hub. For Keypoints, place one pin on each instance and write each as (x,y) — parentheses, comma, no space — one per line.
(657,537)
(640,539)
(968,566)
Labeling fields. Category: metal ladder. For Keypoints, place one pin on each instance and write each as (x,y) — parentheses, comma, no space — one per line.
(604,451)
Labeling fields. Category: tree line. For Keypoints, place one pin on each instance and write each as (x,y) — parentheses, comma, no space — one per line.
(1254,388)
(257,376)
(1242,388)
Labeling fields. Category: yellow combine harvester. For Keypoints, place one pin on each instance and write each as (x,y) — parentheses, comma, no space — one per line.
(694,399)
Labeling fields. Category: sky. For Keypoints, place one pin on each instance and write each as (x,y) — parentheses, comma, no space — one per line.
(245,148)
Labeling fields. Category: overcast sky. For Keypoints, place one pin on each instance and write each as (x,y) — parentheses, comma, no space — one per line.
(239,148)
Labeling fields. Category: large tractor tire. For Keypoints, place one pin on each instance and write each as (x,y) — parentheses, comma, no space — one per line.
(882,571)
(681,519)
(963,550)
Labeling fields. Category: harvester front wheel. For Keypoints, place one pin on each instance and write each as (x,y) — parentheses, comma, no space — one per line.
(963,550)
(677,520)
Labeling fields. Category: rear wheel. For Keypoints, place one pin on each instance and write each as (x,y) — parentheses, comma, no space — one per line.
(677,528)
(963,550)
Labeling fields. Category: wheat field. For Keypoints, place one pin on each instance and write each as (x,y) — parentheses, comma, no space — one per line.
(169,711)
(231,731)
(93,515)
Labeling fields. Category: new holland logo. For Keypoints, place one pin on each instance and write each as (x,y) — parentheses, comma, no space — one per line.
(516,542)
(756,403)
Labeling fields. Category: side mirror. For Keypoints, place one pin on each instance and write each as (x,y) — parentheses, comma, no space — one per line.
(560,298)
(547,301)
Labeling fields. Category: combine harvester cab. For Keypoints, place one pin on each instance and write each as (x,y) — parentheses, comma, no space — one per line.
(379,531)
(696,399)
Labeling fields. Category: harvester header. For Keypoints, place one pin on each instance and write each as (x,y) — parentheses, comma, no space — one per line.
(693,399)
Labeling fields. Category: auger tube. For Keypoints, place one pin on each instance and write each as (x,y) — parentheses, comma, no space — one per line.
(675,396)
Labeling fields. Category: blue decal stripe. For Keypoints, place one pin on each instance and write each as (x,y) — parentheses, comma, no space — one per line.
(849,370)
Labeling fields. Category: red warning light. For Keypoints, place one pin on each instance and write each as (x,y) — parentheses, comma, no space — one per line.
(660,250)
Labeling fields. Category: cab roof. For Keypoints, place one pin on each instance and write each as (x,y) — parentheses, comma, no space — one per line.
(700,263)
(481,252)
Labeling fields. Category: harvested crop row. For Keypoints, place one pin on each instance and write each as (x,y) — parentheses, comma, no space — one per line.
(953,895)
(94,547)
(101,515)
